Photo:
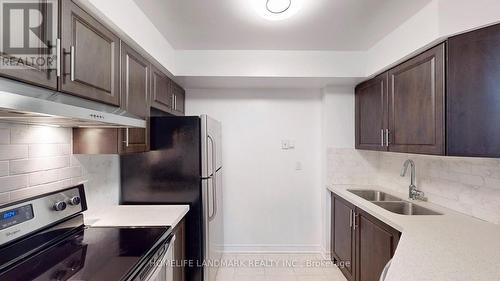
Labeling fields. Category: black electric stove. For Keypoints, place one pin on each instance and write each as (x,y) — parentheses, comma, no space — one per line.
(68,250)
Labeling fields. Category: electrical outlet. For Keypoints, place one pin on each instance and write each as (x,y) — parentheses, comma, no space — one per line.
(298,166)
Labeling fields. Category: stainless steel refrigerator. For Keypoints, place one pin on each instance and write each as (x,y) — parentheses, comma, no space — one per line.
(184,166)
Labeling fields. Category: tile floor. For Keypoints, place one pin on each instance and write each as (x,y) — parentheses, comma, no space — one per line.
(274,267)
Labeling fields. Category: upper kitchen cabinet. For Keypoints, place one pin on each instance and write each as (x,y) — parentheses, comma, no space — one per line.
(179,96)
(161,95)
(473,97)
(91,56)
(134,82)
(32,60)
(371,114)
(417,104)
(134,99)
(134,94)
(166,95)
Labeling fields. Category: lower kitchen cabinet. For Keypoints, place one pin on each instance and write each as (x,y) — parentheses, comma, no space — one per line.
(343,235)
(375,246)
(179,251)
(360,244)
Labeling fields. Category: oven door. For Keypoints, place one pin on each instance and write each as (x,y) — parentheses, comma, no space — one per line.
(163,270)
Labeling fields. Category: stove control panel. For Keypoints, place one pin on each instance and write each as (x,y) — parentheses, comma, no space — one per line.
(23,217)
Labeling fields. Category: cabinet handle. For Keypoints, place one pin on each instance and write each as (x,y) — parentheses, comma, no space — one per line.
(127,138)
(387,136)
(354,225)
(72,54)
(58,57)
(175,99)
(382,140)
(350,218)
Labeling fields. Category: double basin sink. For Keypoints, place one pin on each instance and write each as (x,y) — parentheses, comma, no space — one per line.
(393,203)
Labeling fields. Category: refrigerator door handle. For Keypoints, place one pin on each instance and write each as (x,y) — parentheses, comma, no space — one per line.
(214,178)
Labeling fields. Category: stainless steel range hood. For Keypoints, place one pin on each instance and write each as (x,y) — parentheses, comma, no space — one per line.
(26,104)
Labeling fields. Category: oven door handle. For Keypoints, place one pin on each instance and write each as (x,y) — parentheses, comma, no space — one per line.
(164,264)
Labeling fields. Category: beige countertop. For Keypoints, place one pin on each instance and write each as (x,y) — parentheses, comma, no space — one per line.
(139,215)
(448,247)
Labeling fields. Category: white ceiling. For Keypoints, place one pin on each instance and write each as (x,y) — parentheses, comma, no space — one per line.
(319,25)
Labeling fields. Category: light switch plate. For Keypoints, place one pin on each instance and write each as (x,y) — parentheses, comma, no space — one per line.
(285,144)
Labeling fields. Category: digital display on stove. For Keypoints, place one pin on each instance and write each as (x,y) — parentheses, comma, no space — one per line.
(9,214)
(16,216)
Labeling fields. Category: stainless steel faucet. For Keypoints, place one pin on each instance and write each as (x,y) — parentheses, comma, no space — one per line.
(413,193)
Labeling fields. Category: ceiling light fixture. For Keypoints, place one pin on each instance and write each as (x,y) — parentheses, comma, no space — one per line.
(278,6)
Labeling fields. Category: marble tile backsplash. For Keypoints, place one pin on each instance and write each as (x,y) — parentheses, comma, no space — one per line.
(39,159)
(466,185)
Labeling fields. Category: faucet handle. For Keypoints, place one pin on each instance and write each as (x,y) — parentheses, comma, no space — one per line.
(418,195)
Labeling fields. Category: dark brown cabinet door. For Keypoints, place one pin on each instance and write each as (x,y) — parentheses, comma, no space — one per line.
(134,96)
(416,104)
(371,114)
(30,59)
(473,94)
(90,55)
(375,246)
(342,241)
(161,95)
(179,251)
(179,99)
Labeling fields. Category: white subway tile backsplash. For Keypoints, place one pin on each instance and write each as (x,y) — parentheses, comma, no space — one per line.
(71,172)
(10,152)
(38,189)
(4,136)
(4,198)
(38,164)
(35,160)
(44,177)
(48,150)
(25,134)
(467,185)
(13,182)
(4,168)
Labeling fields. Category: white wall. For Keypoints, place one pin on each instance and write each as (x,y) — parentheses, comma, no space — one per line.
(268,204)
(417,33)
(267,63)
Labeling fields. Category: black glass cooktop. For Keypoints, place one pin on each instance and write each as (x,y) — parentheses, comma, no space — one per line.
(90,254)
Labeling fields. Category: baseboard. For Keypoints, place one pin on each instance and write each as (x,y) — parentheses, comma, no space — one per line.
(272,248)
(326,254)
